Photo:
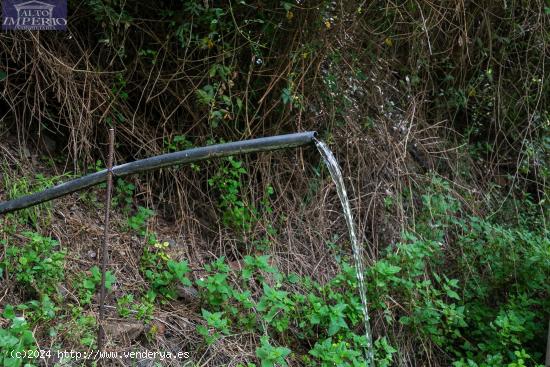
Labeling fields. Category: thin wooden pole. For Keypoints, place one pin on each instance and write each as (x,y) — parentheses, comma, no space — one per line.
(104,252)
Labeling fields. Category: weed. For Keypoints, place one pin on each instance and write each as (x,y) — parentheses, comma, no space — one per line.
(321,311)
(144,309)
(163,273)
(138,222)
(123,303)
(217,290)
(17,187)
(16,340)
(81,327)
(235,212)
(271,356)
(38,263)
(215,320)
(330,353)
(384,352)
(177,143)
(277,306)
(123,196)
(474,319)
(39,311)
(88,285)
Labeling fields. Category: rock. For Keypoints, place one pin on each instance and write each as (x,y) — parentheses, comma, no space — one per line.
(123,330)
(187,294)
(50,357)
(47,144)
(62,291)
(147,362)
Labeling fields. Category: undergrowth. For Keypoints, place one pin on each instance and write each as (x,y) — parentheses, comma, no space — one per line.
(407,92)
(474,288)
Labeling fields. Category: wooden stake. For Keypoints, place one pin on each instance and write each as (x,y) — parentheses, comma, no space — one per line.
(104,252)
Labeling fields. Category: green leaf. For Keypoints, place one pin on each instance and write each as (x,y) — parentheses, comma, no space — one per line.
(246,274)
(110,279)
(287,6)
(271,356)
(286,96)
(7,340)
(452,294)
(88,284)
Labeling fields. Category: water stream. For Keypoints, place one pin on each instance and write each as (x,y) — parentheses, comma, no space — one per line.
(357,248)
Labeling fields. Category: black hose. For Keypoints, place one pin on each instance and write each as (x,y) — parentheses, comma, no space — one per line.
(164,160)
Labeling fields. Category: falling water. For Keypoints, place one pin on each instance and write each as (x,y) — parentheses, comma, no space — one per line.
(336,175)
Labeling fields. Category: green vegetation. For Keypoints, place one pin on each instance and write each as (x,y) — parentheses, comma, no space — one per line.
(37,265)
(88,285)
(163,273)
(16,337)
(486,309)
(438,114)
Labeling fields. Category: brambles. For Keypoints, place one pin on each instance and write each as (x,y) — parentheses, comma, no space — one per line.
(435,306)
(320,324)
(310,314)
(472,319)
